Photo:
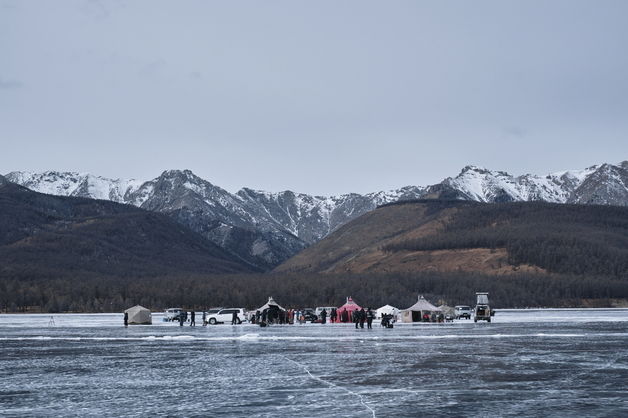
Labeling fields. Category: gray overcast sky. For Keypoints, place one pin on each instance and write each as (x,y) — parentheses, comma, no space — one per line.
(321,97)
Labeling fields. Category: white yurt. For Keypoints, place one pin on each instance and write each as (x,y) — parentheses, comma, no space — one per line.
(139,315)
(270,304)
(415,312)
(388,310)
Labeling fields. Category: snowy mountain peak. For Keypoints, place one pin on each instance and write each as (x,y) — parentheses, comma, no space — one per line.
(75,184)
(264,228)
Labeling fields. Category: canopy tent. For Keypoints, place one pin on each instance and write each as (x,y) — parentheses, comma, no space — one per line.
(345,312)
(388,310)
(416,312)
(447,310)
(139,315)
(271,304)
(271,312)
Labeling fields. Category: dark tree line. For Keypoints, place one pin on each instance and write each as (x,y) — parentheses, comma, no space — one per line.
(95,294)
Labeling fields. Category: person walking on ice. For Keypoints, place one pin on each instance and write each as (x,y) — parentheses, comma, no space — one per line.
(369,318)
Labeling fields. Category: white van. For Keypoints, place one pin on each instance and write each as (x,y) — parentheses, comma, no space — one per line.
(463,311)
(172,314)
(319,309)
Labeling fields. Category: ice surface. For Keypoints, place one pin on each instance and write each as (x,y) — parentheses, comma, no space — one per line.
(526,362)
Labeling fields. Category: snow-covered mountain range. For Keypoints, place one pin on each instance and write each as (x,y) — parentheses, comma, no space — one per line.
(265,228)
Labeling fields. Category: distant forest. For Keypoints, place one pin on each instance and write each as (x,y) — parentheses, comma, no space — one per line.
(585,240)
(97,294)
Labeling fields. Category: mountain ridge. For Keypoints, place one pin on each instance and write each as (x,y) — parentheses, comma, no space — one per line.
(266,228)
(45,236)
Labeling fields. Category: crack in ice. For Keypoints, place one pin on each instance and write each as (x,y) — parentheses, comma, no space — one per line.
(330,384)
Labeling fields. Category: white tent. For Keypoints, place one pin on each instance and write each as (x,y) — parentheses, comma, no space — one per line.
(271,302)
(386,309)
(139,315)
(415,312)
(447,310)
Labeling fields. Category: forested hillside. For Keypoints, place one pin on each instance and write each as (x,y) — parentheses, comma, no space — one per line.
(45,237)
(574,239)
(458,236)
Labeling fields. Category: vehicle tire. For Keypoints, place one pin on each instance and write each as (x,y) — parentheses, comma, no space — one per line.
(475,320)
(212,321)
(488,320)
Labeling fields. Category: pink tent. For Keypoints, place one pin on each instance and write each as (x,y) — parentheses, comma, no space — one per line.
(345,312)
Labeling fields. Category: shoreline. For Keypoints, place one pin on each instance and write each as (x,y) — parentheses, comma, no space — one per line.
(611,309)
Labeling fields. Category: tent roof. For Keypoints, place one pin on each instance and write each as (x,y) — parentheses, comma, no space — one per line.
(271,302)
(350,305)
(388,308)
(136,308)
(422,305)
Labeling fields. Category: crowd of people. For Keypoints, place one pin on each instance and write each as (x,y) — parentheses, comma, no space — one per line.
(275,315)
(359,317)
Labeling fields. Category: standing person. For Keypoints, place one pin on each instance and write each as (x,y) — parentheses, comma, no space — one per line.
(126,319)
(234,318)
(356,318)
(369,318)
(181,319)
(324,316)
(192,318)
(362,317)
(204,318)
(333,315)
(258,315)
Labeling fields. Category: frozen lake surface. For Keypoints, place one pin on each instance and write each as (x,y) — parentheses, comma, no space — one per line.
(528,362)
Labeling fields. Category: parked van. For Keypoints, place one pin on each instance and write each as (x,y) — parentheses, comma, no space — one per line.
(462,311)
(172,314)
(319,309)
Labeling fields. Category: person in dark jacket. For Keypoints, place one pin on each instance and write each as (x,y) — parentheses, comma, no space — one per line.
(362,317)
(333,315)
(204,318)
(181,319)
(234,318)
(369,318)
(344,316)
(324,316)
(192,319)
(356,318)
(126,319)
